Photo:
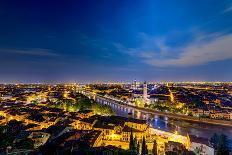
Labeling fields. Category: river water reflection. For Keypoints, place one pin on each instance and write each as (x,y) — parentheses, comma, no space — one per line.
(172,125)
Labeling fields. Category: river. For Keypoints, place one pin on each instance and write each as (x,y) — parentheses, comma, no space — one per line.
(172,125)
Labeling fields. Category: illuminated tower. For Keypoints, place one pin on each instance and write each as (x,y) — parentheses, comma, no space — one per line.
(134,85)
(145,91)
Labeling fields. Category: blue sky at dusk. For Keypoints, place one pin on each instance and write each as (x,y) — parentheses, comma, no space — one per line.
(115,40)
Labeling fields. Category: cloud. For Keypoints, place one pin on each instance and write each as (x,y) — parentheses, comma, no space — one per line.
(228,9)
(147,55)
(205,48)
(199,53)
(31,52)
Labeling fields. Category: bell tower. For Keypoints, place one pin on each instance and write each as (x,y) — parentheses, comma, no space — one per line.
(145,91)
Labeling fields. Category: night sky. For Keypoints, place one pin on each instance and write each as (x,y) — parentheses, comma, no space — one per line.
(115,40)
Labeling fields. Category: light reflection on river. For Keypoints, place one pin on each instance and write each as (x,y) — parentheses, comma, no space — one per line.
(181,126)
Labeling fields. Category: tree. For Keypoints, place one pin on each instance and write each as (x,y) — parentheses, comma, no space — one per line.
(6,140)
(135,145)
(214,140)
(132,144)
(25,144)
(222,147)
(154,149)
(186,152)
(144,150)
(138,147)
(220,143)
(131,140)
(2,129)
(171,153)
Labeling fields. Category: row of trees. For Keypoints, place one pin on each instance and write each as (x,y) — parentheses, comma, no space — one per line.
(173,107)
(135,148)
(84,103)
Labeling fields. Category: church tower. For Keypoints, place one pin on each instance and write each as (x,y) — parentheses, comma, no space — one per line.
(145,91)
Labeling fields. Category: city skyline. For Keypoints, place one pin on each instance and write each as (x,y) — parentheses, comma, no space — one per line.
(86,41)
(132,77)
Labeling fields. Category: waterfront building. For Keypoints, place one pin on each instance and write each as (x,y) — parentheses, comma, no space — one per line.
(116,130)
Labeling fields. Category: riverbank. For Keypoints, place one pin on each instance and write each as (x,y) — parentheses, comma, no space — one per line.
(171,115)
